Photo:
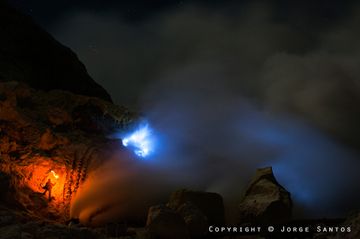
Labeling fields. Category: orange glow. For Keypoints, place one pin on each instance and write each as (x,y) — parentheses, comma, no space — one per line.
(54,174)
(39,173)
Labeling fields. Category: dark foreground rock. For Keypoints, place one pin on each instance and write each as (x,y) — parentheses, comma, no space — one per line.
(35,230)
(198,209)
(196,221)
(210,204)
(29,54)
(265,200)
(164,223)
(348,229)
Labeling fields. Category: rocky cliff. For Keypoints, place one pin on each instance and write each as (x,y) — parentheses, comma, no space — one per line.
(56,136)
(29,54)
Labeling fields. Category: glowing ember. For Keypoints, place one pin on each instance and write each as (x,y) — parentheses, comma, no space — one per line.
(55,175)
(141,141)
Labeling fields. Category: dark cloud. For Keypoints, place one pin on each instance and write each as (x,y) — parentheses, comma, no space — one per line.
(228,93)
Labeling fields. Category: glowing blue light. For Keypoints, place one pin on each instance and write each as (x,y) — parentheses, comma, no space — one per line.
(141,141)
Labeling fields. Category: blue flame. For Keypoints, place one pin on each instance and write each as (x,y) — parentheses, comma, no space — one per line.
(141,141)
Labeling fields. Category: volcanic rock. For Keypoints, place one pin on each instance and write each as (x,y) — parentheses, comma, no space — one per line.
(163,223)
(10,232)
(5,188)
(34,149)
(29,54)
(6,218)
(354,223)
(265,200)
(49,140)
(348,229)
(38,230)
(196,221)
(210,204)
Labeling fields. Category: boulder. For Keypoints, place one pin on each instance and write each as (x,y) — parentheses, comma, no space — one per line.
(209,204)
(265,200)
(163,223)
(195,220)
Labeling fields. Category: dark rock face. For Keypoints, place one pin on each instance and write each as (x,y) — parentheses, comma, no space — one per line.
(29,54)
(265,200)
(210,204)
(164,223)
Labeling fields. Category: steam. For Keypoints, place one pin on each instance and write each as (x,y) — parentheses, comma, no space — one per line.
(227,94)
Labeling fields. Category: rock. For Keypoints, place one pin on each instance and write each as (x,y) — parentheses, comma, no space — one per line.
(5,188)
(26,235)
(47,140)
(349,229)
(35,147)
(265,200)
(7,145)
(116,229)
(73,222)
(210,204)
(59,117)
(60,231)
(353,222)
(6,218)
(90,118)
(29,54)
(195,220)
(163,223)
(11,232)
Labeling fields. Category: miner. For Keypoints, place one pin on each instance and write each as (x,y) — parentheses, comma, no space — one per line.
(48,187)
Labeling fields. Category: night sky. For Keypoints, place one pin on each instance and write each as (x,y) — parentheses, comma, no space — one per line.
(46,12)
(243,84)
(80,26)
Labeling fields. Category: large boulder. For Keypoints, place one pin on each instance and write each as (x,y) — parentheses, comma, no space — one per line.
(265,200)
(164,223)
(29,54)
(209,204)
(196,221)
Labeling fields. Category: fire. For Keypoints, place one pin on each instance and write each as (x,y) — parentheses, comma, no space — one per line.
(54,174)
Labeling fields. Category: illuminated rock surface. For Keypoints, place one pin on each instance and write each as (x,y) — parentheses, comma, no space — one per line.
(265,200)
(41,139)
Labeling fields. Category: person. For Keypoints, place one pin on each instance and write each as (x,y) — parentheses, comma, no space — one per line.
(48,187)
